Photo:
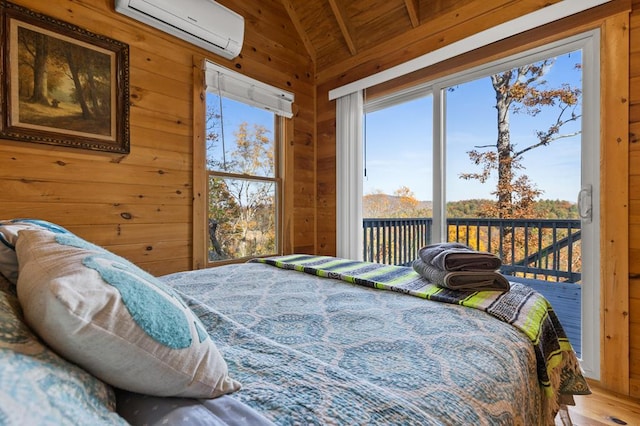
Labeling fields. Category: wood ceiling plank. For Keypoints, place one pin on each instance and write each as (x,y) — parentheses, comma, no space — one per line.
(446,29)
(376,31)
(345,27)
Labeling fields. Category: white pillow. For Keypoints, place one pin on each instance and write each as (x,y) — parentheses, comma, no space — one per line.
(118,322)
(9,235)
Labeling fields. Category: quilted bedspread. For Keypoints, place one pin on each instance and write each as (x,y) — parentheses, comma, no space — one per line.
(558,368)
(314,351)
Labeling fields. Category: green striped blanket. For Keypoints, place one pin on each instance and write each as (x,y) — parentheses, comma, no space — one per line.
(557,366)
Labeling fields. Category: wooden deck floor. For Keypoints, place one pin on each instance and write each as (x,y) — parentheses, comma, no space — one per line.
(566,300)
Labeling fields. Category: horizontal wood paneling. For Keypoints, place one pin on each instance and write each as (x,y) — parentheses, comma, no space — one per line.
(99,213)
(140,205)
(42,191)
(326,172)
(99,170)
(129,233)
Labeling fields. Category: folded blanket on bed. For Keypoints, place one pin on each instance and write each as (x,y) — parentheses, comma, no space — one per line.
(458,257)
(462,280)
(558,369)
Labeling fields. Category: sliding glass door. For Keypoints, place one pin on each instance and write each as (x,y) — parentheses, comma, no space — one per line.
(512,162)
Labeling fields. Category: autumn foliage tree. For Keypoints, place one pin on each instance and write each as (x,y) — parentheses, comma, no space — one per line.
(521,90)
(241,207)
(402,203)
(253,156)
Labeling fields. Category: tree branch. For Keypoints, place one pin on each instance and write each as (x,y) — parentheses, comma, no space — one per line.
(529,148)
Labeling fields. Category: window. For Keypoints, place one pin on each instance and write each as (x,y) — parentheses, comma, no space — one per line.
(243,185)
(398,170)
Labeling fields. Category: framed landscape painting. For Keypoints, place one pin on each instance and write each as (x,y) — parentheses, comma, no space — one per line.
(62,85)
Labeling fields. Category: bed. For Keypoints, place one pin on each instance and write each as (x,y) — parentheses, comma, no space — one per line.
(307,347)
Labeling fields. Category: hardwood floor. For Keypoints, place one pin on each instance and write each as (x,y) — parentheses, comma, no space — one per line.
(604,408)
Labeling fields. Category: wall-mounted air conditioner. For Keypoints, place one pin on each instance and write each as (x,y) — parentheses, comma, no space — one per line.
(202,22)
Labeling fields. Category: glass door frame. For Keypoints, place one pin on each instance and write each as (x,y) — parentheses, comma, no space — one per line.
(589,44)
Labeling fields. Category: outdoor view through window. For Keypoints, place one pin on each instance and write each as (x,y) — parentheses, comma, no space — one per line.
(512,171)
(242,183)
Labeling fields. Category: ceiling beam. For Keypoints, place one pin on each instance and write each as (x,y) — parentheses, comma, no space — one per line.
(412,9)
(347,30)
(295,19)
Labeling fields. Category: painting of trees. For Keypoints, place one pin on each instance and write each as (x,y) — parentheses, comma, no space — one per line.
(62,84)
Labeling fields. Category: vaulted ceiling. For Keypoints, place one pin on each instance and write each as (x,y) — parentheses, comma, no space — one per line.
(334,30)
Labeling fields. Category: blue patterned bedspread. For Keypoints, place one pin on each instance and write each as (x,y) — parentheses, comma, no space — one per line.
(315,351)
(558,367)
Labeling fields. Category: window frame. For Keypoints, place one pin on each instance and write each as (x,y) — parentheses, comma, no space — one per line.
(588,42)
(276,180)
(282,129)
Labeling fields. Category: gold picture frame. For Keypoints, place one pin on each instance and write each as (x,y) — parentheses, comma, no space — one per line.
(61,84)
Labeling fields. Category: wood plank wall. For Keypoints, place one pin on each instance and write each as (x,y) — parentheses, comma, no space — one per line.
(139,205)
(634,200)
(619,371)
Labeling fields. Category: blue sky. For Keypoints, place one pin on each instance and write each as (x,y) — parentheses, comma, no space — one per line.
(399,142)
(234,114)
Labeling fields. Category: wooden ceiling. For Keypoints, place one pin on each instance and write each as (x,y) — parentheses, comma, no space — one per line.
(334,30)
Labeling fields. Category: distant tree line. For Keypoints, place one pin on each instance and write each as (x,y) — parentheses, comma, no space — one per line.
(402,203)
(547,209)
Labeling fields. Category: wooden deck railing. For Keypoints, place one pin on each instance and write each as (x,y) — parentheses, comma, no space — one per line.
(545,249)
